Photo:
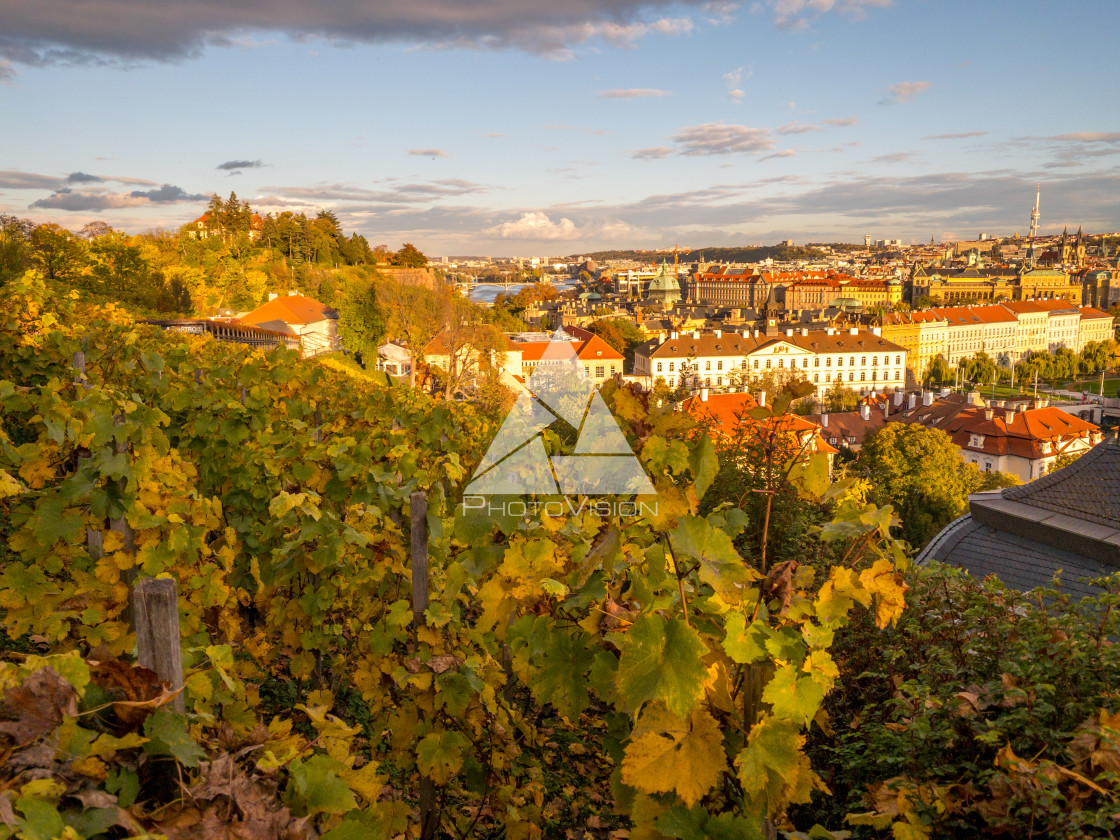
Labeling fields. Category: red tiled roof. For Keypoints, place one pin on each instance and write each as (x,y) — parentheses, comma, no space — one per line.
(1020,433)
(722,414)
(588,347)
(291,309)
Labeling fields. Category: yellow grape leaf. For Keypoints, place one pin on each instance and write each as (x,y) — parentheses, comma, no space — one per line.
(91,766)
(769,766)
(667,754)
(365,782)
(9,486)
(820,665)
(883,581)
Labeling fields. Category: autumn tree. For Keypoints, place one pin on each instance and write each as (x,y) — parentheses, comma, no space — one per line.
(56,252)
(409,256)
(921,472)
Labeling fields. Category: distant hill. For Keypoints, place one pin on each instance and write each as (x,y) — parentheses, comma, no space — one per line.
(747,253)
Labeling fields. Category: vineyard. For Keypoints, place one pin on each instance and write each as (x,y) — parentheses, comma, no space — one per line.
(277,493)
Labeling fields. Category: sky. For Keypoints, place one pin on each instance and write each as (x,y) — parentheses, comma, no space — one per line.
(498,127)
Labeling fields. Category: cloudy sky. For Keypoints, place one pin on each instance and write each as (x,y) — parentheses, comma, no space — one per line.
(545,128)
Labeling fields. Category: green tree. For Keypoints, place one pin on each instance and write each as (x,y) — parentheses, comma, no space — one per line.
(621,334)
(839,397)
(15,248)
(938,371)
(921,472)
(56,252)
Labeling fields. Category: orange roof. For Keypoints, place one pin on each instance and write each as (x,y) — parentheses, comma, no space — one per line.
(1090,312)
(291,309)
(963,316)
(1021,433)
(588,349)
(722,414)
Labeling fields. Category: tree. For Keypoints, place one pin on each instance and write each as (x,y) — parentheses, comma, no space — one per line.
(15,249)
(921,472)
(621,334)
(978,369)
(938,371)
(409,256)
(412,314)
(56,252)
(839,398)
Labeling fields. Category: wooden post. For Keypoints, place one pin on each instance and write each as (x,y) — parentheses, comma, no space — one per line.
(418,549)
(155,603)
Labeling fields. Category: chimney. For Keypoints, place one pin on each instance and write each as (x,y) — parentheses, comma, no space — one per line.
(1010,417)
(703,395)
(831,331)
(272,296)
(945,392)
(695,334)
(912,402)
(927,398)
(789,333)
(292,292)
(898,397)
(804,331)
(989,414)
(762,398)
(865,411)
(824,421)
(674,335)
(719,333)
(876,331)
(853,331)
(1022,407)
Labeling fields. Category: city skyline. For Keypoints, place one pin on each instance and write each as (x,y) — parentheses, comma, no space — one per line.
(588,126)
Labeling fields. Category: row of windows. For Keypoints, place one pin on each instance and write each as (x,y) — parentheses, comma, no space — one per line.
(793,363)
(817,378)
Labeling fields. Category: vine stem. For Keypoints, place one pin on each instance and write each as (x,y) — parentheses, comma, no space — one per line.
(680,578)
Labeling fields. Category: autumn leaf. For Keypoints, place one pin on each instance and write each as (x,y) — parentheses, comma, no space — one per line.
(667,754)
(661,660)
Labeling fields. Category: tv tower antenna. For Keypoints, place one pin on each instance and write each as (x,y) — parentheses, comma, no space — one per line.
(1034,212)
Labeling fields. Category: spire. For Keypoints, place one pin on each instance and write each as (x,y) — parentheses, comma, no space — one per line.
(1034,212)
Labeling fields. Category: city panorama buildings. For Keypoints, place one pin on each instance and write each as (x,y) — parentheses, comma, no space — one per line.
(863,360)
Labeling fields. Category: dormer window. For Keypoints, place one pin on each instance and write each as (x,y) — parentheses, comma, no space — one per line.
(976,440)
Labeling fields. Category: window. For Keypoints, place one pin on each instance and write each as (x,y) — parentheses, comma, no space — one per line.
(708,365)
(708,381)
(781,363)
(768,364)
(839,361)
(719,381)
(756,364)
(897,375)
(719,365)
(743,364)
(659,366)
(587,369)
(875,360)
(816,361)
(805,362)
(612,370)
(828,377)
(898,360)
(851,376)
(862,361)
(816,377)
(852,361)
(599,372)
(672,382)
(828,362)
(672,367)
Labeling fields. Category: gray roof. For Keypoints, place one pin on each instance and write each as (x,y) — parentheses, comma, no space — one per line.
(1020,563)
(1089,488)
(1068,522)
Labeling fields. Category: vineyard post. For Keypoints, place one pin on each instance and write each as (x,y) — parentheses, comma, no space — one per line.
(155,604)
(94,536)
(418,550)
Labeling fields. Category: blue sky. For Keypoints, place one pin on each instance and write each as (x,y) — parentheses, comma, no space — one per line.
(543,129)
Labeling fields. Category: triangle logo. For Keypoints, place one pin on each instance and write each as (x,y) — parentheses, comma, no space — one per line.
(517,462)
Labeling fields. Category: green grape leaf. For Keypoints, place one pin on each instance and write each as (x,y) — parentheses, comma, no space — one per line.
(168,735)
(661,660)
(721,567)
(314,787)
(770,757)
(562,677)
(793,697)
(745,645)
(703,464)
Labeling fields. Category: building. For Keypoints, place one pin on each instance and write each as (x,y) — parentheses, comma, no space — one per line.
(1063,326)
(978,329)
(1018,438)
(922,335)
(394,360)
(1095,326)
(1032,335)
(1048,283)
(724,416)
(202,228)
(315,323)
(1068,522)
(600,361)
(664,289)
(863,361)
(724,285)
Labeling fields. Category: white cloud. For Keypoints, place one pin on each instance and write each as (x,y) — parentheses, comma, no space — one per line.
(723,139)
(432,153)
(797,15)
(633,93)
(904,91)
(535,225)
